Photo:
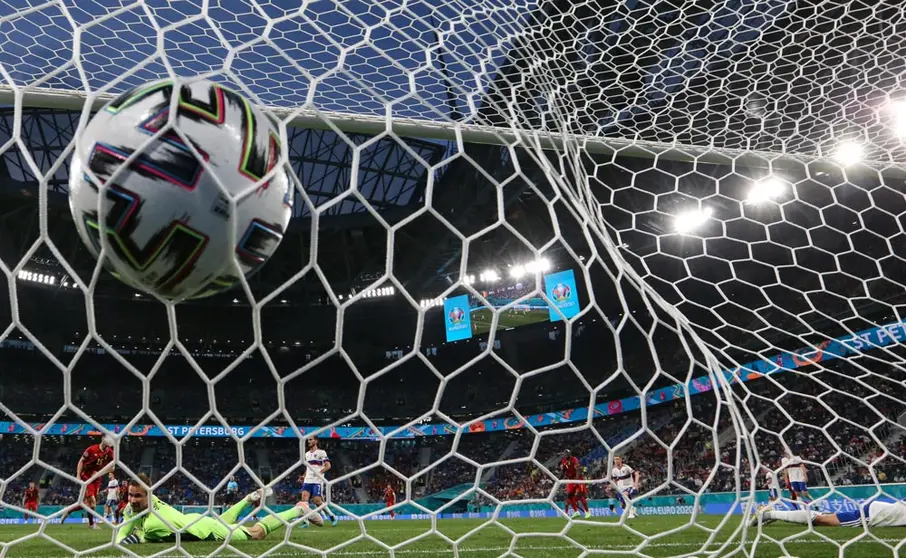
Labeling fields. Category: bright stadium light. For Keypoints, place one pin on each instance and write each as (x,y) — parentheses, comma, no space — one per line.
(688,221)
(849,153)
(489,276)
(43,278)
(897,111)
(766,189)
(541,264)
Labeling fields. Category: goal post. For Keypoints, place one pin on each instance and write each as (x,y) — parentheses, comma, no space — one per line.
(663,239)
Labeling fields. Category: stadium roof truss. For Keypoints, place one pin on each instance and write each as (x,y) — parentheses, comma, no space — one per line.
(390,179)
(388,174)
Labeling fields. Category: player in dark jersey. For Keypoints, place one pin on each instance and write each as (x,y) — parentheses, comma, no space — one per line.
(582,494)
(96,461)
(390,499)
(569,469)
(123,494)
(30,502)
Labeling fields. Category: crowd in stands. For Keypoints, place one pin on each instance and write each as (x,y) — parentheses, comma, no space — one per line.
(824,417)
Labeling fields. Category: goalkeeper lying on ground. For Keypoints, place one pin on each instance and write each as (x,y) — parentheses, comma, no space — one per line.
(162,522)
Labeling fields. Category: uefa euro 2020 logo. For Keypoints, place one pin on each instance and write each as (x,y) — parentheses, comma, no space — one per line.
(456,315)
(561,292)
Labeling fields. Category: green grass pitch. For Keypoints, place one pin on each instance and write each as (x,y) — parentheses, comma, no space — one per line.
(481,319)
(487,539)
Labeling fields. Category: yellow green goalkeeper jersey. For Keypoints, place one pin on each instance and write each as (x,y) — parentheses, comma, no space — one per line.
(163,521)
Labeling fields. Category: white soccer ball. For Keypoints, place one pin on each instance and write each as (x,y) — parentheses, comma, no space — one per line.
(167,222)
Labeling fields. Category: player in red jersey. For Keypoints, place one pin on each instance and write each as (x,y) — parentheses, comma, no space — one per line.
(569,469)
(123,501)
(30,502)
(96,461)
(390,499)
(582,493)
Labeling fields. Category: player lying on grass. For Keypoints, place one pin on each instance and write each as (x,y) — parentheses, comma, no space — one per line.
(161,522)
(876,514)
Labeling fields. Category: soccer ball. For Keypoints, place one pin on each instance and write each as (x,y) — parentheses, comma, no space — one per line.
(167,222)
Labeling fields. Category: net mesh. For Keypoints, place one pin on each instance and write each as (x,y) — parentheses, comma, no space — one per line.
(725,180)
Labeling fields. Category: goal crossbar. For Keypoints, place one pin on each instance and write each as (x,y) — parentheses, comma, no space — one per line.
(472,133)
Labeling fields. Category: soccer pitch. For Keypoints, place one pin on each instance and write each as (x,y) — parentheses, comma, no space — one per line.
(510,318)
(488,539)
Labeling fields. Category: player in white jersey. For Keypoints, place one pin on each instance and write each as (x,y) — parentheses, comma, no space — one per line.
(627,481)
(316,464)
(874,513)
(795,474)
(113,497)
(770,481)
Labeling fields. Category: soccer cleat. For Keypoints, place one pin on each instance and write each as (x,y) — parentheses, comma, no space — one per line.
(256,495)
(759,516)
(334,520)
(310,516)
(588,514)
(574,515)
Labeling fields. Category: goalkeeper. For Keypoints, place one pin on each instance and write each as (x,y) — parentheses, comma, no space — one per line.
(162,521)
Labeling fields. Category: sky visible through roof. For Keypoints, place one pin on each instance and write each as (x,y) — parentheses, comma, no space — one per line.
(351,56)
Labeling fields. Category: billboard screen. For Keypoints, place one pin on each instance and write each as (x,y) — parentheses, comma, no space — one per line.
(560,288)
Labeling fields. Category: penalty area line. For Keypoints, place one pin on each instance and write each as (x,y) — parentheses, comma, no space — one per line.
(518,548)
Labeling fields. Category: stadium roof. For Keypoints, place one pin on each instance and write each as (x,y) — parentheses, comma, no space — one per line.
(741,74)
(773,76)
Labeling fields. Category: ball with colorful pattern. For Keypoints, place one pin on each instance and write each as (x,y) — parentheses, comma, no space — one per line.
(167,221)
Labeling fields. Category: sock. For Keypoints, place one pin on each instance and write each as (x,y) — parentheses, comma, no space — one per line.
(798,516)
(584,502)
(90,518)
(271,523)
(231,516)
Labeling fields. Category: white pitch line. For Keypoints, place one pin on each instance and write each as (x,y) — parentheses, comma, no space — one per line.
(518,548)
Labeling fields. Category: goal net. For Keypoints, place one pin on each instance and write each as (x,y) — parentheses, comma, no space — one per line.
(661,235)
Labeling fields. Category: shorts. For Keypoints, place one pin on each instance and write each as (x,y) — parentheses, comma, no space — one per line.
(31,506)
(93,488)
(854,518)
(798,486)
(220,532)
(571,490)
(111,504)
(625,495)
(773,493)
(581,490)
(121,506)
(207,528)
(314,489)
(390,503)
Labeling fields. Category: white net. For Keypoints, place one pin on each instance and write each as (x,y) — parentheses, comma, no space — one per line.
(724,181)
